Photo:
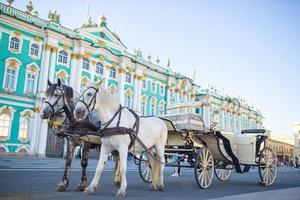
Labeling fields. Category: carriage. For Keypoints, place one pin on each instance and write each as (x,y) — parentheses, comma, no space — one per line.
(210,152)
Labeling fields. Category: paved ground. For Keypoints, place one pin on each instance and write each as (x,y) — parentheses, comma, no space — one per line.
(36,178)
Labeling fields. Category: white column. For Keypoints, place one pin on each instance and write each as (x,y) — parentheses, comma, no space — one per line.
(52,64)
(34,133)
(42,139)
(121,79)
(106,76)
(44,69)
(73,69)
(137,90)
(93,69)
(79,71)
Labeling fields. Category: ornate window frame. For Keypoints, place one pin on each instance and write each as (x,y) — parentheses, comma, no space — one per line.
(128,78)
(65,79)
(31,68)
(153,105)
(10,111)
(161,107)
(18,35)
(114,73)
(68,56)
(144,100)
(113,89)
(162,89)
(153,90)
(98,73)
(12,63)
(25,115)
(83,81)
(38,42)
(86,62)
(129,98)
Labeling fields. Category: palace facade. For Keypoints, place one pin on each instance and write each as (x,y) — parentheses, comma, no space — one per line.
(33,50)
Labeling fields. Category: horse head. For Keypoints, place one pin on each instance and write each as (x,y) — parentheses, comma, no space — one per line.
(87,100)
(57,96)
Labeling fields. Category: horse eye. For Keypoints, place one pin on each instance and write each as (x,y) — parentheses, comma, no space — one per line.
(56,95)
(89,94)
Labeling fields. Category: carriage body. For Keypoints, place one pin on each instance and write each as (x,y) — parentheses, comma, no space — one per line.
(217,153)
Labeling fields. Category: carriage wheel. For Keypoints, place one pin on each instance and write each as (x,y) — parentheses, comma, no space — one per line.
(204,168)
(145,168)
(267,166)
(223,173)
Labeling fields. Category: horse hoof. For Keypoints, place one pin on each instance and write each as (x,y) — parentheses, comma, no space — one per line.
(61,187)
(121,193)
(88,191)
(117,184)
(81,187)
(161,188)
(152,187)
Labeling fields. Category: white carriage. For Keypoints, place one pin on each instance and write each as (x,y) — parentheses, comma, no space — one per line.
(210,152)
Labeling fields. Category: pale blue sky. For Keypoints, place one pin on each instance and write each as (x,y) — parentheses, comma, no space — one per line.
(249,48)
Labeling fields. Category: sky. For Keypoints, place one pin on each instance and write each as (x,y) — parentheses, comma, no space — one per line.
(251,48)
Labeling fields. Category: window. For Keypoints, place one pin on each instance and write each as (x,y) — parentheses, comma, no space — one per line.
(153,87)
(63,57)
(112,72)
(152,106)
(144,84)
(30,83)
(99,68)
(84,81)
(128,101)
(161,109)
(5,122)
(172,93)
(162,89)
(86,64)
(143,108)
(152,109)
(181,97)
(10,77)
(34,50)
(128,77)
(14,43)
(24,128)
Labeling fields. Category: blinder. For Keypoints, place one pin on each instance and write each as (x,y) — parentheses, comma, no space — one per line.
(92,101)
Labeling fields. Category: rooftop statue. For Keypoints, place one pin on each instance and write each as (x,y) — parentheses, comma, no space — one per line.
(54,16)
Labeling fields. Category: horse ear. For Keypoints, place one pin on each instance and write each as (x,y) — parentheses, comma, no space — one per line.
(69,92)
(49,82)
(59,82)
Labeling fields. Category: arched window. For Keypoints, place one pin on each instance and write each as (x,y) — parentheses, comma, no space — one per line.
(99,68)
(128,77)
(113,89)
(24,128)
(34,50)
(84,81)
(86,64)
(152,106)
(14,43)
(128,98)
(144,84)
(63,57)
(5,123)
(161,109)
(112,72)
(144,105)
(10,78)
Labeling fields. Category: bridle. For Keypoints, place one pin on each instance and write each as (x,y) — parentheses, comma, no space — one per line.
(60,110)
(92,101)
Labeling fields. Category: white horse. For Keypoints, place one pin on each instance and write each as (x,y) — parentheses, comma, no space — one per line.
(152,133)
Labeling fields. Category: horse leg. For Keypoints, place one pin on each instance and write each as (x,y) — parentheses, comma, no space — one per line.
(160,150)
(123,152)
(153,184)
(117,181)
(63,184)
(102,160)
(84,162)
